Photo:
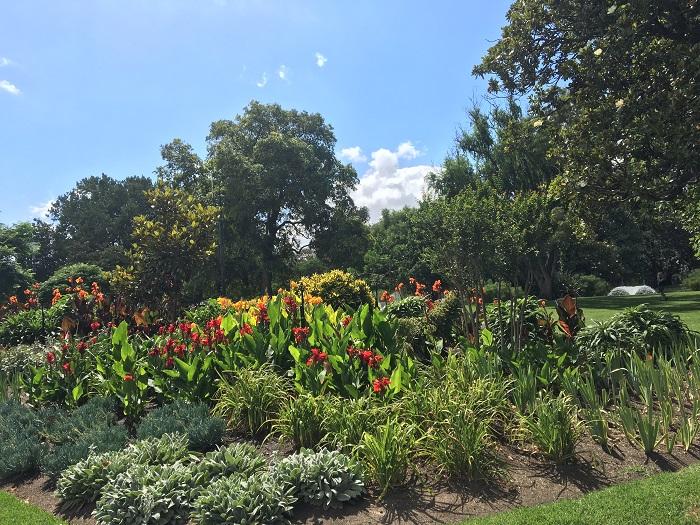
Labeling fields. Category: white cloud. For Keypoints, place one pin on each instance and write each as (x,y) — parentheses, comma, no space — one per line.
(282,72)
(4,61)
(263,81)
(320,59)
(8,86)
(42,210)
(386,185)
(353,154)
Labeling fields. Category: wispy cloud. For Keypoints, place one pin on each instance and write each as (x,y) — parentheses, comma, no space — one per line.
(263,81)
(42,210)
(353,154)
(4,62)
(320,59)
(282,72)
(8,86)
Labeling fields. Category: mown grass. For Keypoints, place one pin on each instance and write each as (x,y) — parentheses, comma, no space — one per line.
(16,512)
(684,304)
(663,499)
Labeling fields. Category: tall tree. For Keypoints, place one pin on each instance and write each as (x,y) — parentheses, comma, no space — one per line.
(615,83)
(279,180)
(94,220)
(16,252)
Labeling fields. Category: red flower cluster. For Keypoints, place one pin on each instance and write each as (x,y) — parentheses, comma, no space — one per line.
(347,320)
(128,377)
(290,303)
(246,329)
(300,334)
(95,325)
(380,385)
(262,315)
(50,357)
(386,297)
(316,357)
(437,286)
(66,367)
(82,346)
(365,355)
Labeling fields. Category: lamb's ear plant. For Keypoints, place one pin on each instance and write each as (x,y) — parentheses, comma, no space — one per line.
(325,478)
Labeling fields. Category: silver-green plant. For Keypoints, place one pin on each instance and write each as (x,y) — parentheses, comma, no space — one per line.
(325,478)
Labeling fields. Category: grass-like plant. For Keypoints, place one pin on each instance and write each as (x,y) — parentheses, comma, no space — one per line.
(301,420)
(251,399)
(386,454)
(554,427)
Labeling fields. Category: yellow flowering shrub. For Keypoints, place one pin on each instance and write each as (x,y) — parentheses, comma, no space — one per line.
(337,288)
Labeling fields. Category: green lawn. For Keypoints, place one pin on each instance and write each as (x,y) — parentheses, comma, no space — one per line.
(664,499)
(16,512)
(684,304)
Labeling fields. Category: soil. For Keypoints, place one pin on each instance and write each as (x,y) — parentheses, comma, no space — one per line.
(529,481)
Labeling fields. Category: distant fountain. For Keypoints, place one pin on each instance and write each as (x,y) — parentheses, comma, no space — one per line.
(632,290)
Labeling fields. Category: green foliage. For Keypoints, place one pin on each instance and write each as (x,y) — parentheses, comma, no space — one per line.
(585,285)
(411,306)
(17,251)
(692,280)
(346,420)
(27,327)
(635,330)
(251,398)
(554,428)
(205,311)
(386,452)
(203,431)
(19,440)
(324,478)
(236,500)
(59,279)
(83,482)
(444,316)
(301,420)
(339,289)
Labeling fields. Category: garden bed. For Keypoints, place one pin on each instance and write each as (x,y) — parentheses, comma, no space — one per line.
(530,481)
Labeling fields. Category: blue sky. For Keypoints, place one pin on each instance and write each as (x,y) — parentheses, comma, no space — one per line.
(90,87)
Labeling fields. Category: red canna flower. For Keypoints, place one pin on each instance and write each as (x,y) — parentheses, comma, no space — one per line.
(246,329)
(399,287)
(290,303)
(50,357)
(82,346)
(169,362)
(430,304)
(316,357)
(66,368)
(262,315)
(386,297)
(195,337)
(380,385)
(353,352)
(437,286)
(95,325)
(347,320)
(128,378)
(300,334)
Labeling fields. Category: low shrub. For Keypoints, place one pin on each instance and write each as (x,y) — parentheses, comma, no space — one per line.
(339,289)
(205,311)
(692,280)
(64,426)
(203,430)
(251,398)
(59,279)
(20,446)
(590,286)
(263,499)
(28,326)
(324,478)
(83,482)
(301,421)
(444,316)
(411,306)
(636,329)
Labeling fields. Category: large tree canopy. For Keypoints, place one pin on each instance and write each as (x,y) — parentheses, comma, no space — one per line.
(615,83)
(94,220)
(279,180)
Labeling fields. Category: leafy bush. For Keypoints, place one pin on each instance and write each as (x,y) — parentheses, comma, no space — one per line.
(59,279)
(263,499)
(204,311)
(252,398)
(203,430)
(339,289)
(83,482)
(636,329)
(346,420)
(444,316)
(414,333)
(95,441)
(326,478)
(301,421)
(19,440)
(163,494)
(64,426)
(587,285)
(411,306)
(26,326)
(17,359)
(692,280)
